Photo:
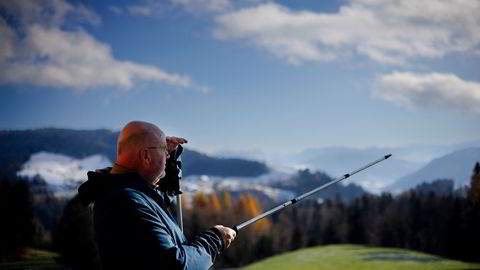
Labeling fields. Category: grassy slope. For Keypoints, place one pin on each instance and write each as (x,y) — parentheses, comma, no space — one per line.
(34,259)
(350,257)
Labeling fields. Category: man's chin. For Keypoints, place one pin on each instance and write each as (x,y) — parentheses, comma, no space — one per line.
(162,175)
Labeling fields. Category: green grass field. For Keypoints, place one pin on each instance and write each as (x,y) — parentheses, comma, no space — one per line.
(352,257)
(334,257)
(35,260)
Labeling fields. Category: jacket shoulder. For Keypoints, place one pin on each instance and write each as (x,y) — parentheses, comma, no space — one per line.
(128,196)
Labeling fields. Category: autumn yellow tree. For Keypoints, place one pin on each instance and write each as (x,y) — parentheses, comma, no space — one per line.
(226,200)
(215,203)
(247,207)
(200,200)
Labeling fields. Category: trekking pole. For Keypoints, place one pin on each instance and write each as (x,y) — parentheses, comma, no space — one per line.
(179,212)
(171,183)
(178,191)
(303,196)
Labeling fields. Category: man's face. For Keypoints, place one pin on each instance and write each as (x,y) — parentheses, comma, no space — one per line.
(161,155)
(154,165)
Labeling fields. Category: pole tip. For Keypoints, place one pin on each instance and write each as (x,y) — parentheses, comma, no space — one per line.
(387,156)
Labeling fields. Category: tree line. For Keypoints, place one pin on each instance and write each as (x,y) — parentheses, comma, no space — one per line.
(443,223)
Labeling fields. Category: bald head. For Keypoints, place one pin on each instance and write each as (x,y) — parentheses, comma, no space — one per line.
(136,135)
(142,148)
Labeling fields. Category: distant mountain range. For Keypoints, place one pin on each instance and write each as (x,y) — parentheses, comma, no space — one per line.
(336,161)
(17,147)
(64,155)
(457,166)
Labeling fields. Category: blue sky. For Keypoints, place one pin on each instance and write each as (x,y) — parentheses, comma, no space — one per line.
(275,76)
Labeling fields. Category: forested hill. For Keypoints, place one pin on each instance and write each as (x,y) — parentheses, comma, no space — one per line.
(16,147)
(305,181)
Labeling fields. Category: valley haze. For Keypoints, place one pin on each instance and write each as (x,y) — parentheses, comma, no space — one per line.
(58,169)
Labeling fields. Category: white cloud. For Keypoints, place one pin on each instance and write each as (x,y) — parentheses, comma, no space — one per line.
(116,10)
(214,6)
(7,47)
(140,10)
(52,13)
(434,90)
(387,31)
(204,5)
(158,7)
(44,54)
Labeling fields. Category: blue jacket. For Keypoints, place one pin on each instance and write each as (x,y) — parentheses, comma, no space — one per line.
(134,229)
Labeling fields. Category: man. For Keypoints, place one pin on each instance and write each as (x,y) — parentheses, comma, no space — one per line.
(133,228)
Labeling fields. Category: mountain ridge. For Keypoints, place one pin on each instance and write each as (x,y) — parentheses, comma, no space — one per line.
(457,166)
(17,146)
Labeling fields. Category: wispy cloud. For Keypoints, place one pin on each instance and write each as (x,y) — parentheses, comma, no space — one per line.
(116,10)
(196,6)
(140,10)
(387,31)
(40,52)
(209,7)
(434,89)
(51,13)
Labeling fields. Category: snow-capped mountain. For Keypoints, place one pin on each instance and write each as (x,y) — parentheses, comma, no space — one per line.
(62,171)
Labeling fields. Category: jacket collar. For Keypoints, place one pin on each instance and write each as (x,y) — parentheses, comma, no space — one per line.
(101,182)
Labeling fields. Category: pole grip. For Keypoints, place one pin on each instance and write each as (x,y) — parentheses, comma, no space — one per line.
(235,228)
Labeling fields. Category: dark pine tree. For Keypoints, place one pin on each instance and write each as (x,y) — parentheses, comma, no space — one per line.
(475,184)
(16,227)
(74,239)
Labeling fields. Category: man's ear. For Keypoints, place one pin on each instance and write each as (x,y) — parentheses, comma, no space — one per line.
(145,156)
